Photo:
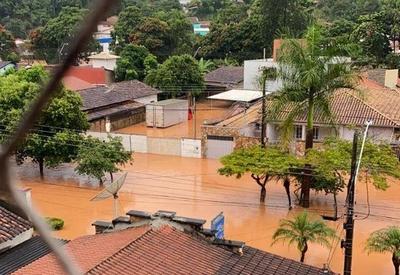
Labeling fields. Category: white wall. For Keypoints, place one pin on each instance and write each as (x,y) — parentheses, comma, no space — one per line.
(252,73)
(380,134)
(108,64)
(24,236)
(191,148)
(147,99)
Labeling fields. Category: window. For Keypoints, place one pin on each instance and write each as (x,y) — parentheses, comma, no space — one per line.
(316,133)
(298,132)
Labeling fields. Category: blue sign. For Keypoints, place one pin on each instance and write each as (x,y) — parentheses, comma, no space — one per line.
(217,224)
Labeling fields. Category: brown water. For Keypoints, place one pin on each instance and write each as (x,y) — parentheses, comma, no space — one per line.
(191,187)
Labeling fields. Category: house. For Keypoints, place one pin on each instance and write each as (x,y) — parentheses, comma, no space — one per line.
(5,66)
(224,78)
(117,106)
(164,243)
(351,111)
(104,60)
(14,229)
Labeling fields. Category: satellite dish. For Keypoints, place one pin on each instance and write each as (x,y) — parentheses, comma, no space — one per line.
(111,190)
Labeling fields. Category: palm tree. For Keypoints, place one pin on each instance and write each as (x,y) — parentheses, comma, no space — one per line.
(302,231)
(310,73)
(386,240)
(205,66)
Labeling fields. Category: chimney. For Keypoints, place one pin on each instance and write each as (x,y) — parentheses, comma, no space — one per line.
(386,78)
(190,224)
(235,246)
(121,222)
(275,49)
(138,216)
(101,226)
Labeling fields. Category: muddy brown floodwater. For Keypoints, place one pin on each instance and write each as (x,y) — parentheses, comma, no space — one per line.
(192,187)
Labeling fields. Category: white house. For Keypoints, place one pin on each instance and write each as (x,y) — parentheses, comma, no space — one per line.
(104,60)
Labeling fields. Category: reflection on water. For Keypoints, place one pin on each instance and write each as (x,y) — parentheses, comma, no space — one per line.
(192,188)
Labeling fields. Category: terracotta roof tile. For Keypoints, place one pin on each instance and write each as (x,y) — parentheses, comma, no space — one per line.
(11,225)
(95,76)
(347,107)
(75,84)
(88,251)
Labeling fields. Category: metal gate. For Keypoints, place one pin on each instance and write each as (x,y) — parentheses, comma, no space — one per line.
(218,146)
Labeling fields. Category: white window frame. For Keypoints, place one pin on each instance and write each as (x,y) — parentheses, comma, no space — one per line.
(316,133)
(297,129)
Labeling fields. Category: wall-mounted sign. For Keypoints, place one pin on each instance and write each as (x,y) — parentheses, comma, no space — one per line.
(217,224)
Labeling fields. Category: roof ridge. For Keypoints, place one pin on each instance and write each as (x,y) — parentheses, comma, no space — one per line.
(371,107)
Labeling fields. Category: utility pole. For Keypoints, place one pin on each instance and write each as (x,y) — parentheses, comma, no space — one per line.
(347,244)
(263,122)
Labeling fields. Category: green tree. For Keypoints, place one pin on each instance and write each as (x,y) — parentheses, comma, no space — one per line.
(52,41)
(177,74)
(7,44)
(153,34)
(205,66)
(310,83)
(234,13)
(132,63)
(96,157)
(386,240)
(301,231)
(263,164)
(55,138)
(128,20)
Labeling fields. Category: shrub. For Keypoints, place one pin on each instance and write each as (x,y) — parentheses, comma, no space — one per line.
(55,223)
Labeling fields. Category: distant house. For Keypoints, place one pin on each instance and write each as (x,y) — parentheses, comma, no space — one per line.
(224,78)
(351,111)
(14,229)
(5,66)
(201,28)
(117,106)
(163,243)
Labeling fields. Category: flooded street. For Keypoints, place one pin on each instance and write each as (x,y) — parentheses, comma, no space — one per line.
(192,188)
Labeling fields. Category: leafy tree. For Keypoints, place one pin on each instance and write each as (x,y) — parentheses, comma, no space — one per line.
(149,7)
(55,138)
(308,86)
(128,20)
(177,74)
(153,34)
(234,13)
(332,10)
(132,63)
(332,162)
(264,164)
(386,240)
(52,41)
(391,16)
(301,231)
(7,44)
(206,8)
(205,66)
(96,157)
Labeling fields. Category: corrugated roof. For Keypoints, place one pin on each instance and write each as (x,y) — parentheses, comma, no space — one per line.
(115,110)
(165,250)
(24,254)
(347,108)
(238,95)
(229,75)
(11,225)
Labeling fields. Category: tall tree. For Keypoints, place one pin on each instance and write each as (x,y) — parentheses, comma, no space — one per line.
(177,74)
(55,138)
(386,240)
(263,164)
(128,20)
(301,231)
(7,43)
(310,77)
(131,64)
(96,157)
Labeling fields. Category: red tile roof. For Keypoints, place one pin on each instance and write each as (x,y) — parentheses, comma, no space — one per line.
(165,250)
(11,225)
(96,76)
(75,84)
(88,251)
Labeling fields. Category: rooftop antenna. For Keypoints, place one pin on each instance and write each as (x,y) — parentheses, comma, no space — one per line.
(111,190)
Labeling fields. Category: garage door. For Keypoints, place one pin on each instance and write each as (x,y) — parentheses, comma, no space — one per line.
(218,146)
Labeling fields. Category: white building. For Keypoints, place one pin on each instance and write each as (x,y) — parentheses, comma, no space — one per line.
(104,60)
